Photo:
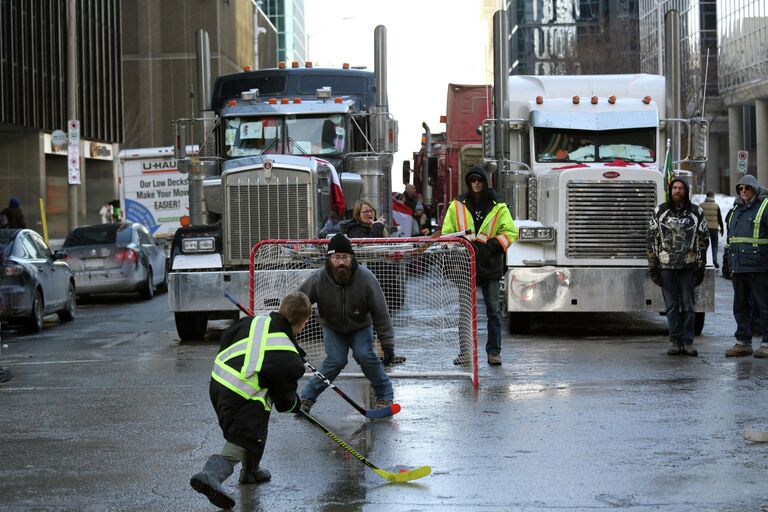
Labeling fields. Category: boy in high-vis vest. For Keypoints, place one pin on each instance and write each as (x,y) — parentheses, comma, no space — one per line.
(258,367)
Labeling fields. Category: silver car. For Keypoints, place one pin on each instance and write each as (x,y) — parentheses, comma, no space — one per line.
(33,281)
(114,258)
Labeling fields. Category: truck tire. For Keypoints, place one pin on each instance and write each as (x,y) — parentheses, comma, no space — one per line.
(191,325)
(519,323)
(698,323)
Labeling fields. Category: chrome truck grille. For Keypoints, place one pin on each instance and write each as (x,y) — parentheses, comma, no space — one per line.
(608,220)
(259,209)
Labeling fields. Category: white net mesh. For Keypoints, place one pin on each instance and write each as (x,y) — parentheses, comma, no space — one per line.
(428,283)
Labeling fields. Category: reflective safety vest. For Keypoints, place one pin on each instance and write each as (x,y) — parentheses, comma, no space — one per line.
(498,223)
(755,240)
(245,381)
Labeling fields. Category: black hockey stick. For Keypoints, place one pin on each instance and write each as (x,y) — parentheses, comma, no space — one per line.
(382,412)
(402,476)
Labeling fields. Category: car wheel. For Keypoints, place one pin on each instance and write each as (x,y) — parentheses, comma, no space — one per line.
(148,290)
(163,286)
(35,321)
(191,325)
(68,313)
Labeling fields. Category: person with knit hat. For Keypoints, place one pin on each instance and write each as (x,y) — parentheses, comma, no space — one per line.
(748,263)
(13,216)
(350,303)
(492,231)
(677,243)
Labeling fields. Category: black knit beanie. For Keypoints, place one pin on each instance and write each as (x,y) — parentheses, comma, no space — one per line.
(340,244)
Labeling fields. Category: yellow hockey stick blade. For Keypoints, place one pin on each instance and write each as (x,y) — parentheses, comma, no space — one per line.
(404,476)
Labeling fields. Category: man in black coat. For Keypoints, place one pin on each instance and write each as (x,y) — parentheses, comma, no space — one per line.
(258,367)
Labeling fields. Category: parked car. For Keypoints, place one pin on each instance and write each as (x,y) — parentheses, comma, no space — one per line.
(112,258)
(33,281)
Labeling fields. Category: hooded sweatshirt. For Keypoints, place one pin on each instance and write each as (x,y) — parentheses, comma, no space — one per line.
(747,235)
(677,238)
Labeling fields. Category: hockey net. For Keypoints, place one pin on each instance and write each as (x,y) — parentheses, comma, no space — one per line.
(428,283)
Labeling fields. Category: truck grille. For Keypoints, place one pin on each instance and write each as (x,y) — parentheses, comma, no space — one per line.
(262,210)
(609,220)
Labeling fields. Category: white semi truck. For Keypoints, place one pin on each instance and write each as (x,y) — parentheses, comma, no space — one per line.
(580,161)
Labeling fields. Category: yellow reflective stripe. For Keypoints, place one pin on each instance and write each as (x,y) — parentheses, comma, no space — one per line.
(756,227)
(234,350)
(745,240)
(259,329)
(245,389)
(461,215)
(493,222)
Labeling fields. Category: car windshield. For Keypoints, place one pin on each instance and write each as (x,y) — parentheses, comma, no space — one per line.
(253,136)
(292,135)
(562,145)
(102,234)
(315,135)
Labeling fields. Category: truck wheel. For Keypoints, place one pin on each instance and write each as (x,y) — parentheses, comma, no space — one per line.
(698,324)
(519,323)
(191,325)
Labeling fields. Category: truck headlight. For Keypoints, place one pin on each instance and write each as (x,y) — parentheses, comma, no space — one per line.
(192,245)
(536,234)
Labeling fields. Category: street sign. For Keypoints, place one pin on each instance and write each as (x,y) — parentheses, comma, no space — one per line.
(742,157)
(58,138)
(73,152)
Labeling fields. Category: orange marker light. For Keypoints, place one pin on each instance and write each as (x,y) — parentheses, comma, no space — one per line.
(281,64)
(297,100)
(647,100)
(184,221)
(612,100)
(283,101)
(345,65)
(308,64)
(576,100)
(594,100)
(272,101)
(231,103)
(443,119)
(539,100)
(337,100)
(246,68)
(295,64)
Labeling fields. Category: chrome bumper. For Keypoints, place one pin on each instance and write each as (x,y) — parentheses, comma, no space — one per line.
(592,289)
(204,291)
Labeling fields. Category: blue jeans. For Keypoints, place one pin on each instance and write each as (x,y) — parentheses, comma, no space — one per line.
(490,288)
(337,347)
(677,288)
(750,294)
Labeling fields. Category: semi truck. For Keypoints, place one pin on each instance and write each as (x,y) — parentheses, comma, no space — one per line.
(271,143)
(580,160)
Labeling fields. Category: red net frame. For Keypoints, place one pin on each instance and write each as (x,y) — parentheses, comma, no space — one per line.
(429,284)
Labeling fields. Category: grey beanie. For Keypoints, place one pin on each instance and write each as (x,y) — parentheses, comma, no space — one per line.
(749,181)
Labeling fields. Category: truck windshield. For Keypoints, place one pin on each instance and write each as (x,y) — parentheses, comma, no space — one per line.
(315,135)
(562,145)
(253,136)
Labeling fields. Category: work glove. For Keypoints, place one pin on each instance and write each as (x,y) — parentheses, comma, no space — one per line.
(655,273)
(698,275)
(389,355)
(495,246)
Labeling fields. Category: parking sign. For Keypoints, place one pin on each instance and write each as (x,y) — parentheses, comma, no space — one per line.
(742,157)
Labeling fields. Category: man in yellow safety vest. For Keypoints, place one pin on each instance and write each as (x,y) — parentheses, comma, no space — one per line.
(492,231)
(258,367)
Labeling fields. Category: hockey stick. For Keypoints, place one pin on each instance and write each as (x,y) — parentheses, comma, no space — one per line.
(382,412)
(402,476)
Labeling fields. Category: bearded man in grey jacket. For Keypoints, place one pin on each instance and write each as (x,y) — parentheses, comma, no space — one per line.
(349,304)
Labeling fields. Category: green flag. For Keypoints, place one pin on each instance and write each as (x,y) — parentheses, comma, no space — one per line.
(669,174)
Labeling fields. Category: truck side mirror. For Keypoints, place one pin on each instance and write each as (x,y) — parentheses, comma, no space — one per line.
(406,172)
(699,140)
(489,140)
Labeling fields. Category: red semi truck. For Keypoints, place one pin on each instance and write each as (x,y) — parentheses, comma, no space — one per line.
(444,158)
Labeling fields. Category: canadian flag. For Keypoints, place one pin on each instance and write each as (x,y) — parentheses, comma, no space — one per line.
(338,204)
(402,216)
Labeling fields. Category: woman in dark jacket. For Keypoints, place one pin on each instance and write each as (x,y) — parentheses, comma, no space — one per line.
(364,223)
(13,215)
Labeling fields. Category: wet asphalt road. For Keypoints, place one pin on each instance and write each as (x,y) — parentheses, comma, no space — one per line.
(110,412)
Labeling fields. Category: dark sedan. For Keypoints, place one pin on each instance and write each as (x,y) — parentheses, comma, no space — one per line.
(33,281)
(113,258)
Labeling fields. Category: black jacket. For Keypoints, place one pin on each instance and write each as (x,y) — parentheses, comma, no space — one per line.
(244,422)
(355,229)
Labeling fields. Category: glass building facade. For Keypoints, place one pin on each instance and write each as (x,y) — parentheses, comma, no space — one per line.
(288,18)
(557,37)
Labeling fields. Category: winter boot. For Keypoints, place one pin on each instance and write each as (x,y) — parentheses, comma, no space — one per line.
(739,350)
(251,473)
(689,350)
(208,481)
(380,403)
(762,352)
(676,349)
(494,359)
(306,405)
